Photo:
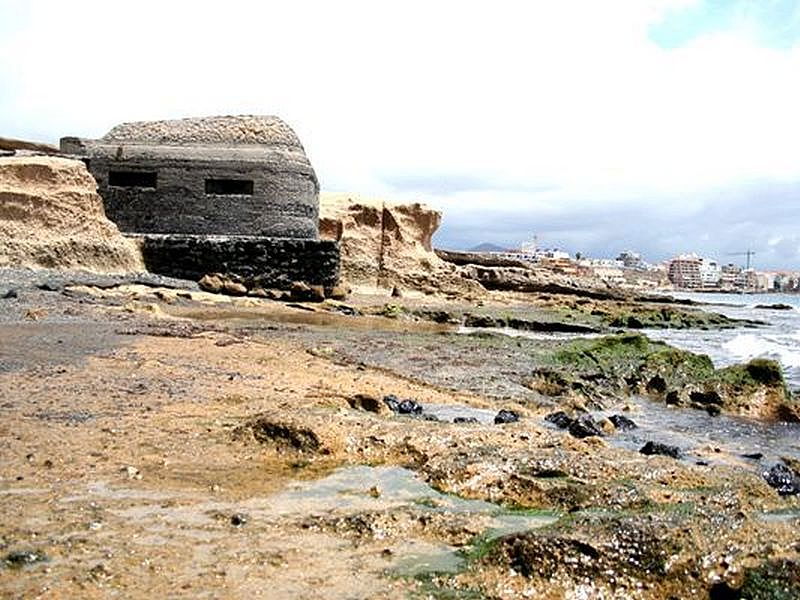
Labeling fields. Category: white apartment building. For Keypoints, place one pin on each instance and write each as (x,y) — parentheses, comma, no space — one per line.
(710,273)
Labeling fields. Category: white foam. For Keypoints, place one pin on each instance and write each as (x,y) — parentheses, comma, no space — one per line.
(749,345)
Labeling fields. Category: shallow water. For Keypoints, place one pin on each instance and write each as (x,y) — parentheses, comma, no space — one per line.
(346,491)
(449,412)
(711,439)
(349,488)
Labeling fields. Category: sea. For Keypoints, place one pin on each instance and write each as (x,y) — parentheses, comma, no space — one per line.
(778,340)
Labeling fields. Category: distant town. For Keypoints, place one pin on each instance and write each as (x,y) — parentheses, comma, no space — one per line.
(629,270)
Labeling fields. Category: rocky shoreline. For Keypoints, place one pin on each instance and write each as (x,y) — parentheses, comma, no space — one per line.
(164,440)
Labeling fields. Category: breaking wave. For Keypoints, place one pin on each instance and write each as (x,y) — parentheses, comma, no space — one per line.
(784,349)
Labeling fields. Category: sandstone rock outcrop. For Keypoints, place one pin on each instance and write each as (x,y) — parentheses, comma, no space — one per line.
(51,216)
(386,244)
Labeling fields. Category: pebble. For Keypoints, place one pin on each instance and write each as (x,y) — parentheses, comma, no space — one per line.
(622,422)
(560,419)
(753,455)
(506,416)
(21,558)
(392,401)
(783,479)
(583,427)
(651,448)
(465,420)
(238,519)
(409,407)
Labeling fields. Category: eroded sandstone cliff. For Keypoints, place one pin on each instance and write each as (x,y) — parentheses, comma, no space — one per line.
(51,216)
(387,244)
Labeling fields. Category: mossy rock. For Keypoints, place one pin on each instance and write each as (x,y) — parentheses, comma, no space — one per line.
(638,317)
(757,372)
(633,354)
(765,371)
(631,363)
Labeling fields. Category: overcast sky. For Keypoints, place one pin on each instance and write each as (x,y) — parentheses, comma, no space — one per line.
(662,126)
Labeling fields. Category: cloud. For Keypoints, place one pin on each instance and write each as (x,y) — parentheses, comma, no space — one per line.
(772,23)
(566,118)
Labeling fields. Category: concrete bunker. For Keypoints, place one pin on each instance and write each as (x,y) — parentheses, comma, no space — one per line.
(233,194)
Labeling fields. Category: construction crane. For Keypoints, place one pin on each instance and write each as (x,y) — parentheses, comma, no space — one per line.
(748,253)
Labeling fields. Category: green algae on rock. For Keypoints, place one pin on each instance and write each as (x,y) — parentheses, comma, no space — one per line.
(630,363)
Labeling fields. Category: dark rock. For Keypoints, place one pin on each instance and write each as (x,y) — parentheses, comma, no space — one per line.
(723,591)
(471,320)
(777,306)
(346,310)
(633,323)
(300,306)
(651,448)
(238,519)
(506,416)
(22,558)
(622,422)
(392,401)
(437,316)
(549,326)
(549,473)
(753,455)
(713,410)
(706,398)
(656,385)
(12,293)
(429,417)
(465,420)
(409,407)
(783,479)
(584,426)
(560,419)
(51,285)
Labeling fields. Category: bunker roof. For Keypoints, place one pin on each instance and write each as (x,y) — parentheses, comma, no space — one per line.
(239,130)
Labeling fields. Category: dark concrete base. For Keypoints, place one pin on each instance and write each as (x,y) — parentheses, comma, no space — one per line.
(267,262)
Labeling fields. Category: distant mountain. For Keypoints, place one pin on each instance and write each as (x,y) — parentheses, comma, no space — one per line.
(487,247)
